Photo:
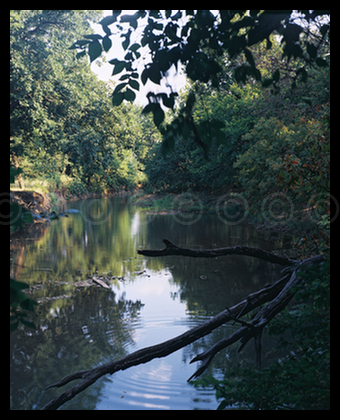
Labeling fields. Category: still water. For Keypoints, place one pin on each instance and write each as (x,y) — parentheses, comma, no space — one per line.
(150,300)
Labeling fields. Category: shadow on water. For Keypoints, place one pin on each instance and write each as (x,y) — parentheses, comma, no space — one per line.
(151,300)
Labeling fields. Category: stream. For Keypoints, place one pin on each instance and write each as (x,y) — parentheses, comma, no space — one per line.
(80,326)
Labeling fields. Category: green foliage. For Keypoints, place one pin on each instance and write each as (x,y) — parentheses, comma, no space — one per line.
(203,44)
(63,128)
(291,159)
(301,379)
(204,37)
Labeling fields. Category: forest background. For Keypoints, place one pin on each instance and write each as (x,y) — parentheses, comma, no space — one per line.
(66,136)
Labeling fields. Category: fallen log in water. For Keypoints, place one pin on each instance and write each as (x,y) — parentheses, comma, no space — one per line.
(101,283)
(172,249)
(278,295)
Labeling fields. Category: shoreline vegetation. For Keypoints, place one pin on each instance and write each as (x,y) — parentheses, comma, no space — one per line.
(223,205)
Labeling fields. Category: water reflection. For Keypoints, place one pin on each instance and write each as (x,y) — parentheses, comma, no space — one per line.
(151,300)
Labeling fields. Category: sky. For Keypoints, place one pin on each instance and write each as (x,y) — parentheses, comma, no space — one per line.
(176,79)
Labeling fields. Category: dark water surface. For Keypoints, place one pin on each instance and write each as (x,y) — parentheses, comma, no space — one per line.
(151,300)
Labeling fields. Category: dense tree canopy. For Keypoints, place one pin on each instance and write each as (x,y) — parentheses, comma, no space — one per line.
(199,39)
(63,128)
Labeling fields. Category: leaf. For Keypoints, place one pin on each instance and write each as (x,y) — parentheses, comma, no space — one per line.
(321,62)
(177,16)
(118,88)
(131,19)
(108,20)
(81,54)
(155,74)
(107,43)
(117,99)
(168,145)
(148,108)
(158,115)
(249,57)
(276,75)
(267,82)
(134,47)
(125,76)
(93,37)
(119,67)
(129,95)
(126,43)
(312,50)
(95,49)
(134,84)
(169,102)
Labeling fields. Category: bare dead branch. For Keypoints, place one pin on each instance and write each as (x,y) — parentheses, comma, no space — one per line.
(278,295)
(262,318)
(88,377)
(172,249)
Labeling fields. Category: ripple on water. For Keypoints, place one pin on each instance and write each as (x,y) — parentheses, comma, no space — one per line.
(160,384)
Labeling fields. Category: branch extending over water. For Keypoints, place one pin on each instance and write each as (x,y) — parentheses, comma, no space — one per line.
(88,377)
(172,249)
(278,295)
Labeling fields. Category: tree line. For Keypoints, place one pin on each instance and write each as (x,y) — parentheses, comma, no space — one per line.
(64,133)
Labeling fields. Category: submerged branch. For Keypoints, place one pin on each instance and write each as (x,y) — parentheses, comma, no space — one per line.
(172,249)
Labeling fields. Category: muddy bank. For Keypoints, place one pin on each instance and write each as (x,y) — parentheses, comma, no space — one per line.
(33,201)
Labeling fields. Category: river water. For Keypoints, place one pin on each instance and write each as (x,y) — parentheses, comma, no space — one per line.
(150,300)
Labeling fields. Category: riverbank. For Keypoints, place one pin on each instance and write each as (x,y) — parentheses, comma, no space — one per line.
(171,203)
(230,207)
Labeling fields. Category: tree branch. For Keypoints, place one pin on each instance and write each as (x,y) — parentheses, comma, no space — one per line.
(263,317)
(172,249)
(88,377)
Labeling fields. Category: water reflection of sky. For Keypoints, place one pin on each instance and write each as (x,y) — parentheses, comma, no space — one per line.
(160,384)
(153,300)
